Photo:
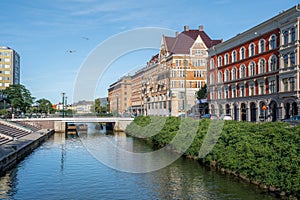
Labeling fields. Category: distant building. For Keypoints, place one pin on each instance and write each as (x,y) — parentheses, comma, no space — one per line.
(119,96)
(82,107)
(254,76)
(9,67)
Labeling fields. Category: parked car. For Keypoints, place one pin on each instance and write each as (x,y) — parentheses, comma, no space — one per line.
(294,120)
(226,117)
(210,116)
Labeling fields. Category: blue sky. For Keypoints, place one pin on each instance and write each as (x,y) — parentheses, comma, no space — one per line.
(42,31)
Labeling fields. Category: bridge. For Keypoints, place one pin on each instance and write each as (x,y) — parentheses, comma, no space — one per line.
(59,124)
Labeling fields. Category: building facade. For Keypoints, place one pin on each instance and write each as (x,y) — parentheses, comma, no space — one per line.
(172,77)
(254,76)
(119,96)
(9,67)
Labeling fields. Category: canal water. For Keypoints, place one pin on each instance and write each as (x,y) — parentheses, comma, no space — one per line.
(62,168)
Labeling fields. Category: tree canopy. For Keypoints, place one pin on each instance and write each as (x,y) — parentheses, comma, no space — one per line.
(202,92)
(18,97)
(44,106)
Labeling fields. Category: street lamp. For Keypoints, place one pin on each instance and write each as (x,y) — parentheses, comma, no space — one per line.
(63,104)
(117,95)
(185,97)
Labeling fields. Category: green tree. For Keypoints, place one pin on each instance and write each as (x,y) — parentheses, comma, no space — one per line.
(44,106)
(202,92)
(19,97)
(96,107)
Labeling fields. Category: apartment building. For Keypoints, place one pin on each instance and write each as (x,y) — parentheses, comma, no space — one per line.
(119,96)
(9,67)
(181,70)
(254,76)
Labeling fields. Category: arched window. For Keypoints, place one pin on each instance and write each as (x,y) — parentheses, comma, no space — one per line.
(273,63)
(226,59)
(262,66)
(272,42)
(252,69)
(292,59)
(293,34)
(226,75)
(220,77)
(242,53)
(251,49)
(261,46)
(242,71)
(212,79)
(212,63)
(234,56)
(285,37)
(234,73)
(219,61)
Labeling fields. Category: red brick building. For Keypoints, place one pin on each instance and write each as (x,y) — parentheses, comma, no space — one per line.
(258,69)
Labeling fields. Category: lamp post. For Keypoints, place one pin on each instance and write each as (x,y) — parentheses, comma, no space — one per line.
(185,97)
(117,95)
(63,104)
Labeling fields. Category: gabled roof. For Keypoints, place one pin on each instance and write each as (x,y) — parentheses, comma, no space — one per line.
(182,43)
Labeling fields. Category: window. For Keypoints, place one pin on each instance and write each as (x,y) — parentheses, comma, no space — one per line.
(219,61)
(220,93)
(242,53)
(212,64)
(226,75)
(292,84)
(234,56)
(261,88)
(261,46)
(273,63)
(272,42)
(251,49)
(242,90)
(226,59)
(178,63)
(6,72)
(272,87)
(243,71)
(7,66)
(286,60)
(285,84)
(293,34)
(251,90)
(234,92)
(234,73)
(251,69)
(262,66)
(226,93)
(220,77)
(285,37)
(292,59)
(212,79)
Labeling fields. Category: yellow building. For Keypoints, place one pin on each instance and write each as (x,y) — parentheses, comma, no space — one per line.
(179,72)
(9,67)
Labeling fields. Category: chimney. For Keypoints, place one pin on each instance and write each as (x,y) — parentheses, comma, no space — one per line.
(186,28)
(177,33)
(201,28)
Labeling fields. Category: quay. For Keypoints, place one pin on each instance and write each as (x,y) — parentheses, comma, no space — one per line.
(13,152)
